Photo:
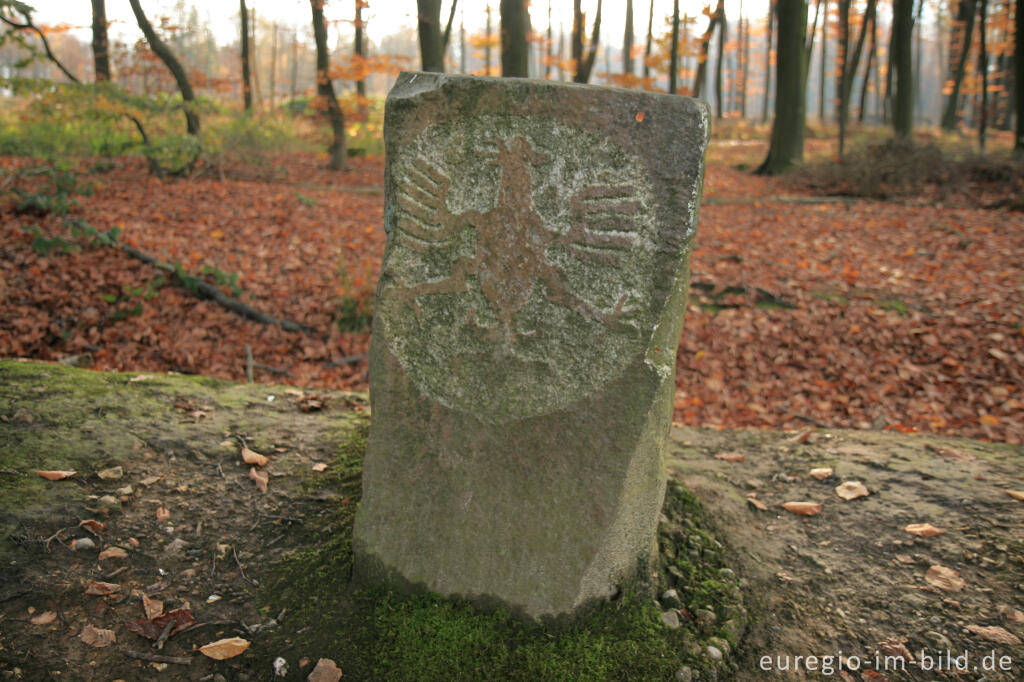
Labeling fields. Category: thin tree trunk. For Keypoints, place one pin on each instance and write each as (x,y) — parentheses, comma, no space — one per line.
(902,35)
(359,48)
(100,44)
(1018,93)
(983,68)
(705,44)
(243,12)
(768,60)
(487,48)
(515,24)
(673,61)
(295,63)
(255,58)
(548,46)
(650,42)
(273,65)
(824,63)
(723,33)
(960,48)
(627,41)
(919,29)
(872,55)
(744,61)
(848,63)
(325,88)
(173,65)
(787,138)
(462,43)
(28,25)
(584,64)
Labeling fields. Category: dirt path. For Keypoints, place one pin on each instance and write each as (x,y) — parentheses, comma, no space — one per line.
(199,536)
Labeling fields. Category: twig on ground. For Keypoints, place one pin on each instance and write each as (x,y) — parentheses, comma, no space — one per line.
(272,370)
(162,639)
(241,570)
(158,658)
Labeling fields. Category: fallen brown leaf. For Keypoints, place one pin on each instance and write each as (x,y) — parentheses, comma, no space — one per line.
(56,475)
(224,648)
(1016,494)
(112,553)
(93,526)
(896,649)
(757,504)
(154,608)
(320,466)
(44,618)
(260,478)
(730,456)
(162,514)
(251,457)
(994,633)
(851,490)
(822,473)
(1010,614)
(149,480)
(944,578)
(904,558)
(325,670)
(950,453)
(97,637)
(925,530)
(101,589)
(153,628)
(802,508)
(111,474)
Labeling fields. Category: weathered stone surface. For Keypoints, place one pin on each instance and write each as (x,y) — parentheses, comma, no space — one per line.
(528,312)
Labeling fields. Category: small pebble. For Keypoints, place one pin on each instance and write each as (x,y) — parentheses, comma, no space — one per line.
(83,544)
(670,600)
(713,653)
(670,619)
(684,674)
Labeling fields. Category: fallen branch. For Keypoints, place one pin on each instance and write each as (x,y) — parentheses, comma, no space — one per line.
(347,360)
(207,290)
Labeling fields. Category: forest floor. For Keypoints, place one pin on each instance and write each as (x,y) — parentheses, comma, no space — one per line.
(161,514)
(805,310)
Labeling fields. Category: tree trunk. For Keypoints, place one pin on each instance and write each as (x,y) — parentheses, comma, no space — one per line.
(431,47)
(768,59)
(673,61)
(359,48)
(295,63)
(824,63)
(246,79)
(983,69)
(744,63)
(515,24)
(273,65)
(919,28)
(902,59)
(723,33)
(959,50)
(173,65)
(462,44)
(254,56)
(627,41)
(487,48)
(650,41)
(549,46)
(872,55)
(584,64)
(325,88)
(848,63)
(705,42)
(100,44)
(1018,93)
(787,139)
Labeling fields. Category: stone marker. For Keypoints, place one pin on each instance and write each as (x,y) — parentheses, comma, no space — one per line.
(523,356)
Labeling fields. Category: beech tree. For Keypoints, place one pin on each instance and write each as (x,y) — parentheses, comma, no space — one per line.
(515,24)
(903,102)
(325,89)
(433,42)
(100,44)
(584,64)
(959,50)
(787,138)
(1018,146)
(848,62)
(161,50)
(246,78)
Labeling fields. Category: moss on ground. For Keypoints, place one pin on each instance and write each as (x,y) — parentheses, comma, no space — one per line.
(380,633)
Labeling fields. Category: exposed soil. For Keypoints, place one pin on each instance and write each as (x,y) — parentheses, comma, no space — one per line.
(845,580)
